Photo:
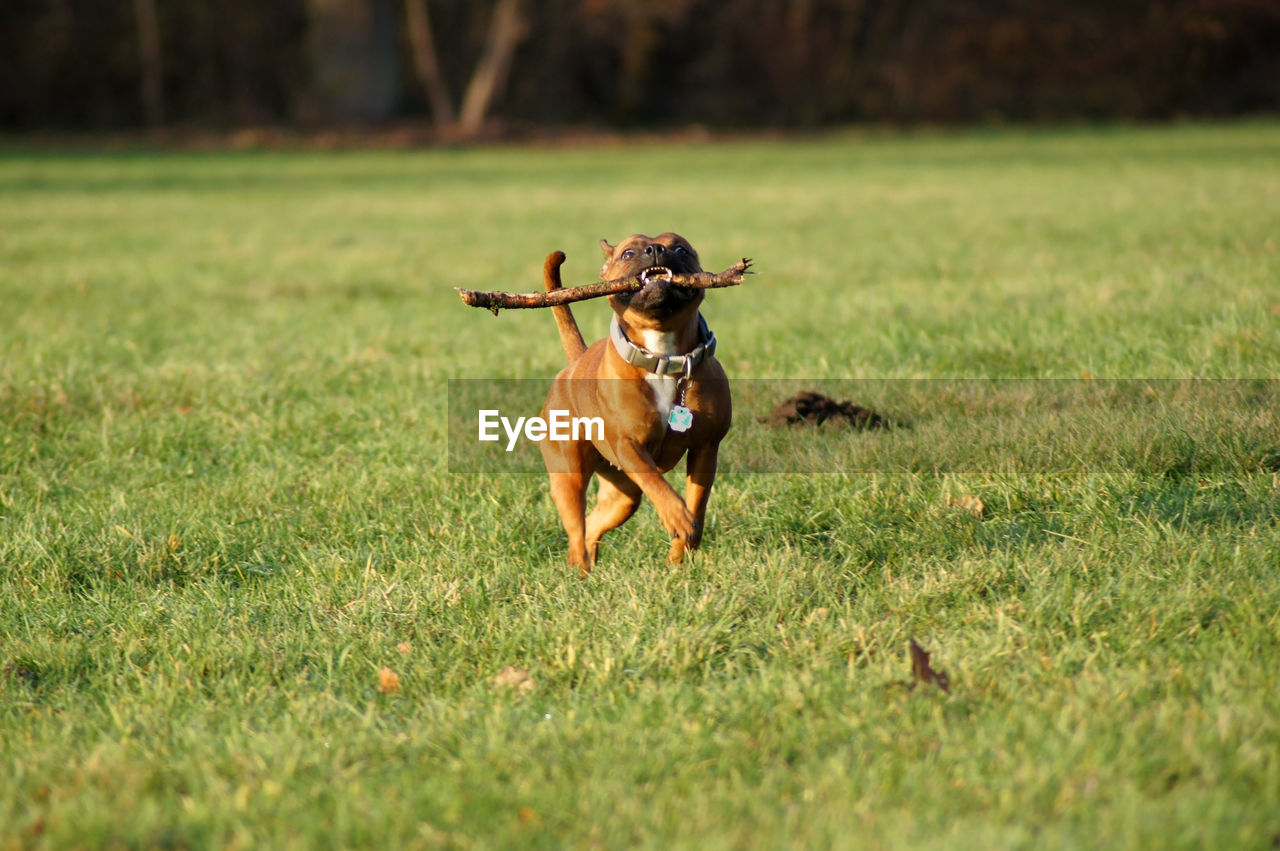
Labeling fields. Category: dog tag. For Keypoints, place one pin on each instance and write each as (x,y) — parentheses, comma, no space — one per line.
(680,418)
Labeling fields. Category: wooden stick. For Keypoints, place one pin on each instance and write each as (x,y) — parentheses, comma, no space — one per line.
(730,277)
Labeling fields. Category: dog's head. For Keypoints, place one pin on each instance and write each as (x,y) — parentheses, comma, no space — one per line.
(658,302)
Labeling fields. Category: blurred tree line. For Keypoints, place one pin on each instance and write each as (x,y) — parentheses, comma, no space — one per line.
(105,64)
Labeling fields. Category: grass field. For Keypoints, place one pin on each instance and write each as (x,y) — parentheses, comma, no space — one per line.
(226,503)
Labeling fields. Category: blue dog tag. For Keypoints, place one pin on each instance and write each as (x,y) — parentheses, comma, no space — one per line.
(680,418)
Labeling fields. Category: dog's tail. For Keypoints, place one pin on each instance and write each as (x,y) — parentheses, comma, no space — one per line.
(570,336)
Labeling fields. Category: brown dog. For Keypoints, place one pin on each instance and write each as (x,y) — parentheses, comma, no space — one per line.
(659,391)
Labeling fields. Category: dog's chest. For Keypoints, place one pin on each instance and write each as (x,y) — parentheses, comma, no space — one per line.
(663,387)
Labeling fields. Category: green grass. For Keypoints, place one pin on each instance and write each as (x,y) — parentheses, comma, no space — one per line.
(226,503)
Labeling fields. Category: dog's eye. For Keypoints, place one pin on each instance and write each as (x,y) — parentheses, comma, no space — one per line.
(679,249)
(628,254)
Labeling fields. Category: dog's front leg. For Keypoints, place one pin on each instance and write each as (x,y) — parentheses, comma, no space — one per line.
(634,459)
(700,476)
(569,493)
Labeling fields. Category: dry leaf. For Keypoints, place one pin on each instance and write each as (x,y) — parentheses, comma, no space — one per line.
(527,815)
(517,679)
(388,681)
(21,673)
(404,647)
(923,672)
(968,503)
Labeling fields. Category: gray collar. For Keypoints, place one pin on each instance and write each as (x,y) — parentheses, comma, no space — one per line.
(663,364)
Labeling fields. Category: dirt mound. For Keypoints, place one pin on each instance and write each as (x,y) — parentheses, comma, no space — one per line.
(815,409)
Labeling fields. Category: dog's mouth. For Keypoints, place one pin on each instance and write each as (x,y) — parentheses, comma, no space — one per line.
(657,296)
(661,273)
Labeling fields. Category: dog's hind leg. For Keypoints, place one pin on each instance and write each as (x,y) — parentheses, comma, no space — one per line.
(617,499)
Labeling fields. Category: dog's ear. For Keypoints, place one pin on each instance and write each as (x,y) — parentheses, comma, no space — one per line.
(607,249)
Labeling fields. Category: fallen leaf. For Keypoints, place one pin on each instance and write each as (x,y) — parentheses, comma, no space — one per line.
(968,503)
(388,681)
(816,615)
(404,647)
(517,679)
(527,815)
(922,671)
(23,674)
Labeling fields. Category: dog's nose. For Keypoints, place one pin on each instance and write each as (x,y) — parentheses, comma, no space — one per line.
(655,249)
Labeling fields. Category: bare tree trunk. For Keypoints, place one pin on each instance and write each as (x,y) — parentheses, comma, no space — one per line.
(354,61)
(150,62)
(505,31)
(426,63)
(637,53)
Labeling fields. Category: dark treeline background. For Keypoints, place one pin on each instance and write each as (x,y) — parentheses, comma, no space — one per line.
(113,64)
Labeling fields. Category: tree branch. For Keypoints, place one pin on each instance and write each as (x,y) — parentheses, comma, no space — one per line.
(494,301)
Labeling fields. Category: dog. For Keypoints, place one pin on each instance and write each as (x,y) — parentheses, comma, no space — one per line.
(658,388)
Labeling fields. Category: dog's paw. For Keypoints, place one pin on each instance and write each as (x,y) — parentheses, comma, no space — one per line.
(680,546)
(582,560)
(680,523)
